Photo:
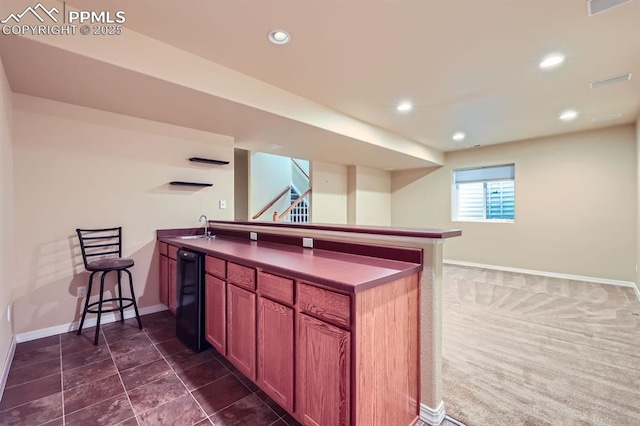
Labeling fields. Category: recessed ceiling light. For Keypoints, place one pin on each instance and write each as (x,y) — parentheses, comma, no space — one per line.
(458,136)
(551,61)
(568,115)
(279,37)
(404,106)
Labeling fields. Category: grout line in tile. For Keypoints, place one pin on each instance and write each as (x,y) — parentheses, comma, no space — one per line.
(265,404)
(25,403)
(213,381)
(34,380)
(31,364)
(120,377)
(64,422)
(37,349)
(126,420)
(176,373)
(92,404)
(49,421)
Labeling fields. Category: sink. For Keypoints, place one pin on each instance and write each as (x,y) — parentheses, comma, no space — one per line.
(194,237)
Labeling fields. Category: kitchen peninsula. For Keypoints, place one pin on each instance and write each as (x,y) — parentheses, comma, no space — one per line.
(335,333)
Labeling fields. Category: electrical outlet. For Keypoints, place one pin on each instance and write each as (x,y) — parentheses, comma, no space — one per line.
(82,291)
(307,242)
(222,204)
(253,236)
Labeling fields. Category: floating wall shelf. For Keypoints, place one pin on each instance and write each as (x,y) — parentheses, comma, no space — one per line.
(207,160)
(178,182)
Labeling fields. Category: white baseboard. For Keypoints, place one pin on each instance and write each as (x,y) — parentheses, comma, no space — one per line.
(90,321)
(596,280)
(430,416)
(454,421)
(7,366)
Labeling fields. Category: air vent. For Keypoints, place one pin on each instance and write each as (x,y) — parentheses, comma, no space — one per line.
(610,80)
(606,117)
(272,147)
(597,6)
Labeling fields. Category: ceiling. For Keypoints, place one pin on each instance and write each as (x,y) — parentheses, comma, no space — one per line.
(467,65)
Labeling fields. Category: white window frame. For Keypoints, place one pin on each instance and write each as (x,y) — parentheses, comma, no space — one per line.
(454,196)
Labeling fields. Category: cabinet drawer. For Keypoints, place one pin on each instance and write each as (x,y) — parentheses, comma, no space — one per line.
(241,276)
(163,248)
(215,266)
(325,304)
(275,287)
(173,252)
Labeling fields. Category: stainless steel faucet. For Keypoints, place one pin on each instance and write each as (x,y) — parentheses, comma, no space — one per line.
(206,224)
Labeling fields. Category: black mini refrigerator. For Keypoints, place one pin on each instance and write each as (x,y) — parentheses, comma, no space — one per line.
(190,308)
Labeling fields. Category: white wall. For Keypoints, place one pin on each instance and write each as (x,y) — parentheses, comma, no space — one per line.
(6,215)
(300,179)
(575,205)
(637,280)
(269,175)
(352,192)
(78,167)
(329,193)
(241,184)
(369,200)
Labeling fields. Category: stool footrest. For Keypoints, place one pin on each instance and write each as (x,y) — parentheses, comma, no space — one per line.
(124,299)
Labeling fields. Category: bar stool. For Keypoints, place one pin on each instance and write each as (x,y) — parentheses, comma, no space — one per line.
(106,246)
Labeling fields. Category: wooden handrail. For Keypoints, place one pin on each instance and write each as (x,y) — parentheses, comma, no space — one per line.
(300,167)
(271,203)
(278,218)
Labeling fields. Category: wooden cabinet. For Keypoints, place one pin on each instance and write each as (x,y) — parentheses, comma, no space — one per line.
(323,380)
(241,276)
(276,288)
(168,278)
(164,280)
(328,357)
(327,305)
(216,267)
(241,329)
(275,351)
(173,285)
(216,310)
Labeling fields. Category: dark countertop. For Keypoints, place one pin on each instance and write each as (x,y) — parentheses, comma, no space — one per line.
(342,271)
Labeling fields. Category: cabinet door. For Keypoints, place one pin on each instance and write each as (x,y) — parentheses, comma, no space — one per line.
(323,384)
(164,280)
(215,313)
(173,285)
(241,330)
(275,351)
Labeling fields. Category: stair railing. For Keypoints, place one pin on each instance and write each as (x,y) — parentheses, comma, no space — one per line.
(278,218)
(272,202)
(300,168)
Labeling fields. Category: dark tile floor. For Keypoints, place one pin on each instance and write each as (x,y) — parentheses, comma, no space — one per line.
(133,377)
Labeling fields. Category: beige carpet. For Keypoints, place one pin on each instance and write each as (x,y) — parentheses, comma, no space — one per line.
(529,350)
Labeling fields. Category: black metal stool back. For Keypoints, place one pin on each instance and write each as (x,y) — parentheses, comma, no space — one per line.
(102,252)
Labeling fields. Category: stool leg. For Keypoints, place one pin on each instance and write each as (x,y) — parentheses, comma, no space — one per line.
(133,298)
(120,296)
(95,340)
(86,302)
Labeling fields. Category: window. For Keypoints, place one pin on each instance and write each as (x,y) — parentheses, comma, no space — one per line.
(484,194)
